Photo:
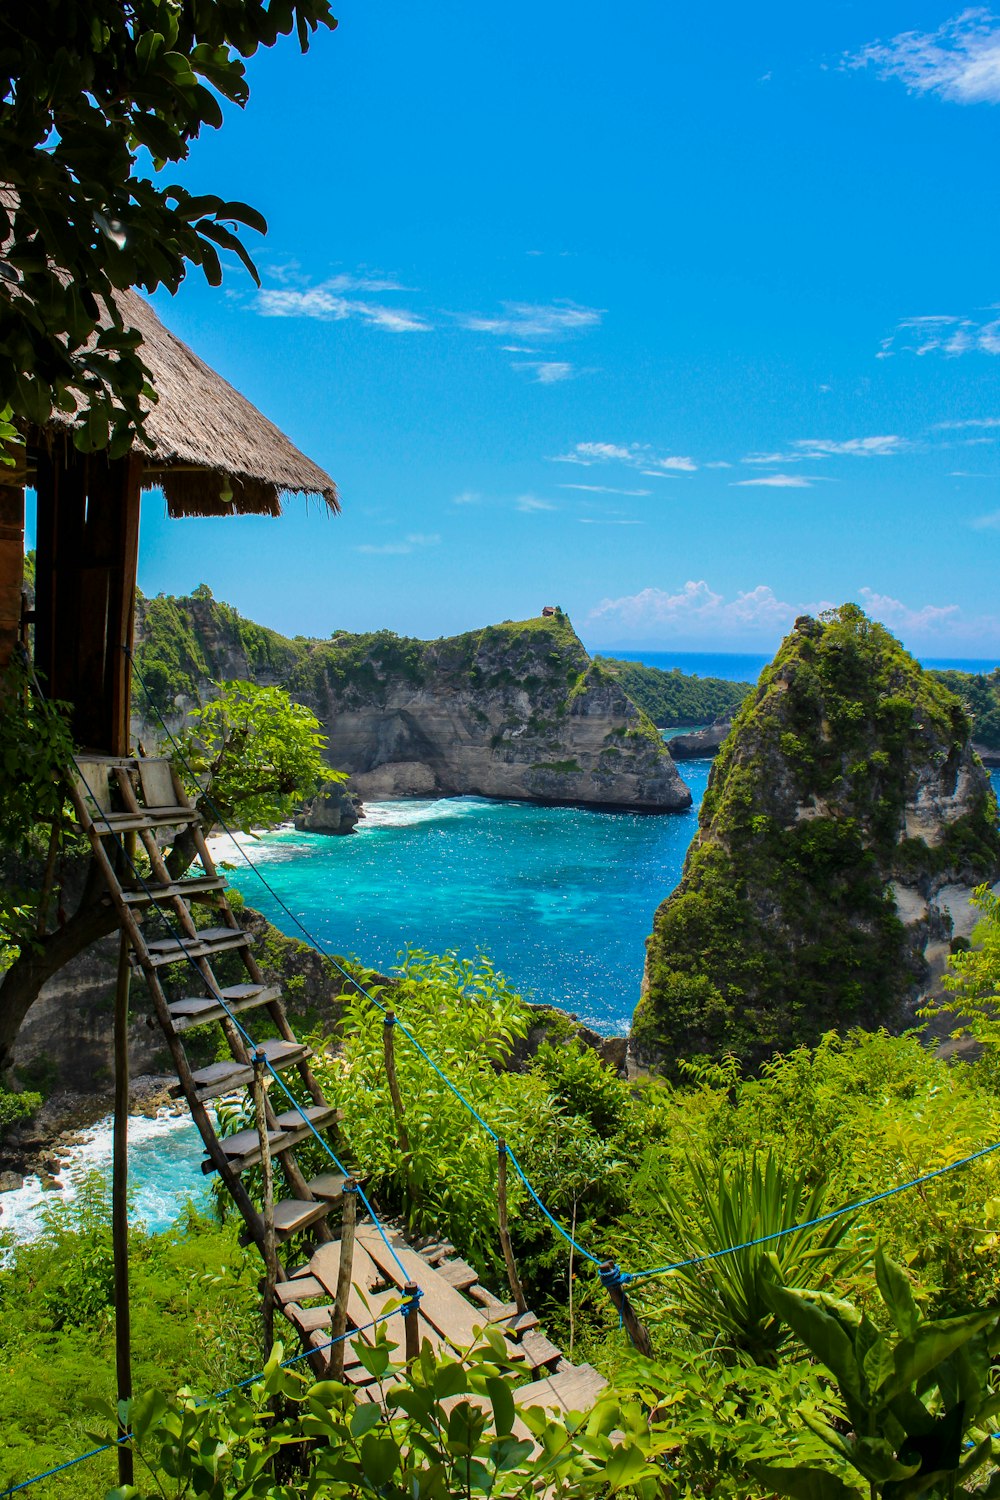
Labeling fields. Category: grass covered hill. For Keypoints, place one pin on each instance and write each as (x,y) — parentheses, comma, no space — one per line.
(848,776)
(673,698)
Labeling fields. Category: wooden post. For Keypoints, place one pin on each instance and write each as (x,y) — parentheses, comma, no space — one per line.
(402,1134)
(411,1322)
(119,1198)
(343,1279)
(637,1332)
(267,1172)
(516,1290)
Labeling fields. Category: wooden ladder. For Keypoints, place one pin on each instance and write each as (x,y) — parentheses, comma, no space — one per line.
(117,801)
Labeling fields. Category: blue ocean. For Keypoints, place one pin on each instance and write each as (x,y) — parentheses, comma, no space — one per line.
(733,666)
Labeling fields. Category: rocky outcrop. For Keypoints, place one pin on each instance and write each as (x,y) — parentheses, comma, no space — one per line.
(846,822)
(517,710)
(336,811)
(701,742)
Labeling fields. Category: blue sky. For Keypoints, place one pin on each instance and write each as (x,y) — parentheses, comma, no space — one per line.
(685,318)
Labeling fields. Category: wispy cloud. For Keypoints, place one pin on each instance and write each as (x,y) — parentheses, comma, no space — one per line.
(899,616)
(532,320)
(805,450)
(639,456)
(966,423)
(546,371)
(467,497)
(603,489)
(607,521)
(777,482)
(329,303)
(960,61)
(987,523)
(399,549)
(530,503)
(943,333)
(698,612)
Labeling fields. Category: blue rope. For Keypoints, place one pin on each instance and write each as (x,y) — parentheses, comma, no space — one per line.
(836,1213)
(229,1390)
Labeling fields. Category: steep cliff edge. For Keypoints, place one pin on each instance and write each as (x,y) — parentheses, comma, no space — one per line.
(516,710)
(845,823)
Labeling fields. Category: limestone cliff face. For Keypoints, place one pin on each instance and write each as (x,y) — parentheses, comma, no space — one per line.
(846,822)
(516,710)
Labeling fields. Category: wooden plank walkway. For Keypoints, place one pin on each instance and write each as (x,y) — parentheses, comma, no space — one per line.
(450,1319)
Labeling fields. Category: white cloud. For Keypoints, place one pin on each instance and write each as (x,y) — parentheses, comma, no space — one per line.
(399,549)
(636,455)
(948,334)
(603,489)
(467,497)
(960,61)
(987,523)
(694,610)
(607,521)
(778,482)
(968,422)
(530,320)
(327,303)
(899,616)
(546,371)
(530,503)
(806,450)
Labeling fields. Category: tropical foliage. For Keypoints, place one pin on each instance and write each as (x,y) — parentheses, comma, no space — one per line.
(674,697)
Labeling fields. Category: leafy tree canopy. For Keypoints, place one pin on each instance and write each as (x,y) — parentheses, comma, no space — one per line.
(97,100)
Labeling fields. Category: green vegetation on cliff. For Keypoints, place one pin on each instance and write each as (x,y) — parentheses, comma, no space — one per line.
(784,923)
(671,698)
(980,695)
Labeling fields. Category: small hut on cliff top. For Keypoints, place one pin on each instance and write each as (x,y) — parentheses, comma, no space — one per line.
(211,453)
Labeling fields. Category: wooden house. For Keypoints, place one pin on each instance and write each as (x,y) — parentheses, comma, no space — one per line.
(208,450)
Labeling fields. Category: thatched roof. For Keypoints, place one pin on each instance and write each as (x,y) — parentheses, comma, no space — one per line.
(207,439)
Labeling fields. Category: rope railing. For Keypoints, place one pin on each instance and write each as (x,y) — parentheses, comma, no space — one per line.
(229,1390)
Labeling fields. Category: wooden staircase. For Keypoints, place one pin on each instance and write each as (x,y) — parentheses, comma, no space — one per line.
(133,803)
(129,808)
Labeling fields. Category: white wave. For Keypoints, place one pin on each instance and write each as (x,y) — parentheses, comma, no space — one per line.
(165,1154)
(409,813)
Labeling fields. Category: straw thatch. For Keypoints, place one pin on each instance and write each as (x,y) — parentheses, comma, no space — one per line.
(207,440)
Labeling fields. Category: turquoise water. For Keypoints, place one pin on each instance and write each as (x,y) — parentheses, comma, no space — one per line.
(561,898)
(733,666)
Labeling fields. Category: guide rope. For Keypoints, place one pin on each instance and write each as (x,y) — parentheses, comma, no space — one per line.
(229,1390)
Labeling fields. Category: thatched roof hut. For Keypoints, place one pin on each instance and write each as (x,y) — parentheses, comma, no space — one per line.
(212,454)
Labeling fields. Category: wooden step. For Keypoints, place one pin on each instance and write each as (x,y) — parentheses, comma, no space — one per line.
(199,1010)
(539,1351)
(243,1148)
(457,1273)
(147,817)
(210,940)
(573,1388)
(189,890)
(299,1289)
(328,1185)
(226,1077)
(294,1214)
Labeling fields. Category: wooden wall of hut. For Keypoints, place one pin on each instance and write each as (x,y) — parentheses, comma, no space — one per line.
(11,558)
(87,549)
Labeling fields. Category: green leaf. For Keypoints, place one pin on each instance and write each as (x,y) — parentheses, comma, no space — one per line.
(930,1345)
(897,1293)
(805,1483)
(820,1332)
(626,1465)
(502,1400)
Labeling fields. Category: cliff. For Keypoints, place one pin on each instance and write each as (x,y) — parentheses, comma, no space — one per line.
(516,710)
(846,821)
